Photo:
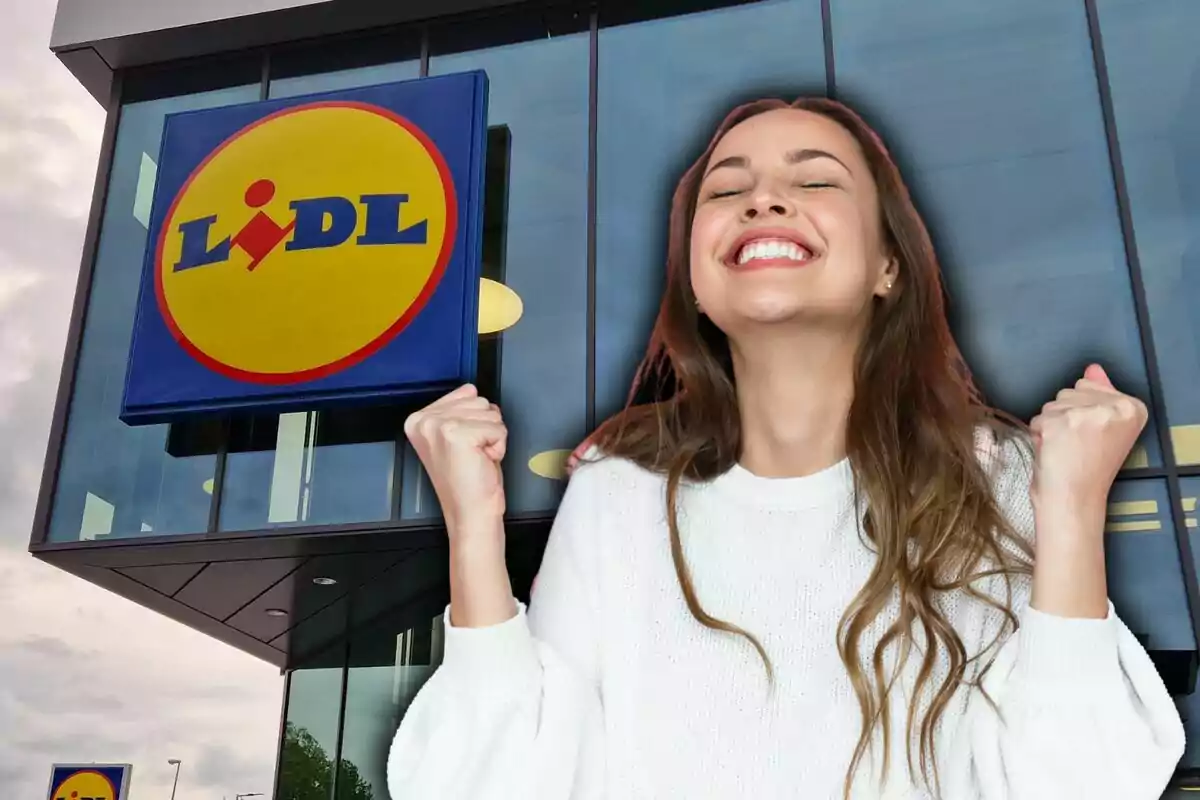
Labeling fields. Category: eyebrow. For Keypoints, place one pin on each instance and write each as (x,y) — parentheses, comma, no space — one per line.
(794,157)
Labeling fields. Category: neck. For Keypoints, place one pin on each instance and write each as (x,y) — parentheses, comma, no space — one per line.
(794,396)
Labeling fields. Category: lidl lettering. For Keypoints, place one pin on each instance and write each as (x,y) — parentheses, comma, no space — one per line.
(318,222)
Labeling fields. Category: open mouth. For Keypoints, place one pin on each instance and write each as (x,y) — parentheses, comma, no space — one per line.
(769,248)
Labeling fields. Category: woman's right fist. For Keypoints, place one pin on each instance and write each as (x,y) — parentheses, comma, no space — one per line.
(460,439)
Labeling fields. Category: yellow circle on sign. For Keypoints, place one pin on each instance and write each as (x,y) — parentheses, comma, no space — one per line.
(305,242)
(83,784)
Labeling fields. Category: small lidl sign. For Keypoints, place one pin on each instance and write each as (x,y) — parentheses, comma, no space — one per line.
(89,782)
(313,250)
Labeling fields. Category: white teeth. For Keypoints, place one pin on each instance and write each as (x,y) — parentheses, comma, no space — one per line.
(772,248)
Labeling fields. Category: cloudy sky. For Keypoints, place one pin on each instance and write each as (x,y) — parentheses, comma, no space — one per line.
(85,675)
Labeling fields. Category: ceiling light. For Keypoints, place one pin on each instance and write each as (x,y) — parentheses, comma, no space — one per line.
(323,581)
(276,612)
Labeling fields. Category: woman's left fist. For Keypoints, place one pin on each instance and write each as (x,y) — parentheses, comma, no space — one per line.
(1082,438)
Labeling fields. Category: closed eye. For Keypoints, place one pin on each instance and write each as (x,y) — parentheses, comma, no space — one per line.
(724,193)
(817,185)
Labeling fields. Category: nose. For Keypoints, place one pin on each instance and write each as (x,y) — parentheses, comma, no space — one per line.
(766,203)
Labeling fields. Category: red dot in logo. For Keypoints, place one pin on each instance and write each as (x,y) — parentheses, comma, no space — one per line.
(260,193)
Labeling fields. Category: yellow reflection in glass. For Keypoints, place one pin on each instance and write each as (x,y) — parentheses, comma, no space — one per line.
(499,307)
(551,464)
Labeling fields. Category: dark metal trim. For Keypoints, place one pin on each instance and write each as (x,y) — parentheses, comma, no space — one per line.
(1173,471)
(183,585)
(1138,473)
(83,293)
(1188,471)
(398,460)
(1142,314)
(264,88)
(279,740)
(222,458)
(827,38)
(424,51)
(592,204)
(341,723)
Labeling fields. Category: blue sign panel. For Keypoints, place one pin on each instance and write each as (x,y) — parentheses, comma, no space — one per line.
(313,251)
(89,782)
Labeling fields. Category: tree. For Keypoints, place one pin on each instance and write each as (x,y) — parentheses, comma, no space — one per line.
(306,771)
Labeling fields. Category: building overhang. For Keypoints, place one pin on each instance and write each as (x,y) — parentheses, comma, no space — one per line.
(288,597)
(96,39)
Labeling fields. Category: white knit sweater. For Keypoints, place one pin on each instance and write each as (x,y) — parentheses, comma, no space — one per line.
(609,689)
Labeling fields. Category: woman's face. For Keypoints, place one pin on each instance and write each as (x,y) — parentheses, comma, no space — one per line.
(787,226)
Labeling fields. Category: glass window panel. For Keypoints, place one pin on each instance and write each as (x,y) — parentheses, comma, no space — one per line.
(336,466)
(310,733)
(190,77)
(418,501)
(1189,704)
(310,468)
(149,477)
(1144,570)
(542,385)
(1156,104)
(345,63)
(386,672)
(663,87)
(993,112)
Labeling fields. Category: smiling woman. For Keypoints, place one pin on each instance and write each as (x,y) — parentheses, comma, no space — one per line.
(1047,147)
(820,390)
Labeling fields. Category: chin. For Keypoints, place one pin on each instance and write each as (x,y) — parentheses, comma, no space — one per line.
(753,312)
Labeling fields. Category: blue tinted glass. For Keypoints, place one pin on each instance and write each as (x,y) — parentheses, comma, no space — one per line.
(539,92)
(309,468)
(311,733)
(663,87)
(993,112)
(289,470)
(117,480)
(1156,103)
(1145,576)
(1189,704)
(344,79)
(386,672)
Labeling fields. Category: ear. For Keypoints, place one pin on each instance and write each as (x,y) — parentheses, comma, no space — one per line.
(887,277)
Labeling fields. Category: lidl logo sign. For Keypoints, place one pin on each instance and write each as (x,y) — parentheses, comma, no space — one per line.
(89,782)
(312,251)
(320,238)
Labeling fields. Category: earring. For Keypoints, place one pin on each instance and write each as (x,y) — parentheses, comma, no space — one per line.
(888,285)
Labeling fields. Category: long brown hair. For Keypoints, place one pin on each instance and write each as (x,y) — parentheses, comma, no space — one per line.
(911,440)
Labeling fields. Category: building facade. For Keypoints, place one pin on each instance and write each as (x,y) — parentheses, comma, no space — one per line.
(1053,147)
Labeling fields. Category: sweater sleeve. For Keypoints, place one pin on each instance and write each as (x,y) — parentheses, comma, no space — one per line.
(514,710)
(1080,710)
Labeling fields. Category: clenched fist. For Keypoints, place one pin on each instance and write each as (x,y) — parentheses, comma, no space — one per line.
(460,439)
(1082,438)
